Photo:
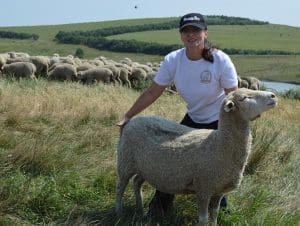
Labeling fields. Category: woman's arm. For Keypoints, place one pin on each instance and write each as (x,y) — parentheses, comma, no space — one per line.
(143,101)
(230,89)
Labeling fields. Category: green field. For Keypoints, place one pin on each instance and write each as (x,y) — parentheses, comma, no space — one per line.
(58,139)
(256,37)
(57,159)
(46,46)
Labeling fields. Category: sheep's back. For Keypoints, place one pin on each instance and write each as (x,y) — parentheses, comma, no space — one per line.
(163,150)
(161,133)
(155,128)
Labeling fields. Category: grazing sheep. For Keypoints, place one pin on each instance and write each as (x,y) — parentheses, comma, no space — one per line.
(67,60)
(95,75)
(17,59)
(126,61)
(253,82)
(18,54)
(123,76)
(54,65)
(176,159)
(42,64)
(121,65)
(96,62)
(55,59)
(242,83)
(63,72)
(20,69)
(84,67)
(116,73)
(2,61)
(77,61)
(137,76)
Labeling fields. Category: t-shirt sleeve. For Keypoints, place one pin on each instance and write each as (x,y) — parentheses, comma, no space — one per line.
(228,74)
(164,76)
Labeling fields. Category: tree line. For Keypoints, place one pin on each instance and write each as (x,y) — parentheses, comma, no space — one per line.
(97,38)
(18,35)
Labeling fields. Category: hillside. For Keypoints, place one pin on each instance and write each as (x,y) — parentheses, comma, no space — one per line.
(256,37)
(274,37)
(46,46)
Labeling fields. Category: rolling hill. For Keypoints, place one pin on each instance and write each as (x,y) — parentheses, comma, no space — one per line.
(255,37)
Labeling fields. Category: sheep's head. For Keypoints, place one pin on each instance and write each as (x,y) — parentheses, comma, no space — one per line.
(79,74)
(249,103)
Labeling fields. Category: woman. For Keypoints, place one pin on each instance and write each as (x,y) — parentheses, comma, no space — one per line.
(202,76)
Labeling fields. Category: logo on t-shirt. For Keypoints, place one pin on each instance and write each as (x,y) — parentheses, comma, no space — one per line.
(205,77)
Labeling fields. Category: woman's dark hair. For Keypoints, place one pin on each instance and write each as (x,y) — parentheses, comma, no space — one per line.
(207,53)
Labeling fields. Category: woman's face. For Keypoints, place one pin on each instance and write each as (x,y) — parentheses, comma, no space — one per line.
(193,37)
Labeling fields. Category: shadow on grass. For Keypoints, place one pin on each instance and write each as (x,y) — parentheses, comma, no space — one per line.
(129,217)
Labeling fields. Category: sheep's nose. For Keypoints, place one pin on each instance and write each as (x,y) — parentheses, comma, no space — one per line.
(273,95)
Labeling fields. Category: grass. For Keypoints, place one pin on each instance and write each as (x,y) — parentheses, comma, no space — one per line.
(57,159)
(272,68)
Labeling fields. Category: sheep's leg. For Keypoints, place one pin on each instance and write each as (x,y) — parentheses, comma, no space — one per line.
(203,202)
(128,84)
(121,185)
(214,206)
(137,185)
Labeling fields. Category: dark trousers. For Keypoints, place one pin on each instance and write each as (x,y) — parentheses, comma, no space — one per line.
(162,202)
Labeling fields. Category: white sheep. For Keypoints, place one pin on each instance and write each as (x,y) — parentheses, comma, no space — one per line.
(18,54)
(137,76)
(124,77)
(242,83)
(176,159)
(98,74)
(84,67)
(20,69)
(253,82)
(2,61)
(116,73)
(42,64)
(62,72)
(17,59)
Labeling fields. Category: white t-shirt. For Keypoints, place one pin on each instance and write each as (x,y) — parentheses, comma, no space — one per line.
(200,83)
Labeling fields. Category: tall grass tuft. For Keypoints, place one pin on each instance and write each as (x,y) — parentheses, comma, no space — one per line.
(292,94)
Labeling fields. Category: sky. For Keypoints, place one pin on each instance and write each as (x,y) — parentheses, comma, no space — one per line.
(52,12)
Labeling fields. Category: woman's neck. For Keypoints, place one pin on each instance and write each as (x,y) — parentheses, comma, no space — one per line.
(194,54)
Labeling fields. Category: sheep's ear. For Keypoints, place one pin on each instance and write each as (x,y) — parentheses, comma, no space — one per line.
(229,106)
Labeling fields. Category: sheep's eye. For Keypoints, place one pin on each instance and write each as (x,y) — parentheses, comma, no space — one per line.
(245,97)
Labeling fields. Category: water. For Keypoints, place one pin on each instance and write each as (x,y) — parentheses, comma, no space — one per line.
(279,86)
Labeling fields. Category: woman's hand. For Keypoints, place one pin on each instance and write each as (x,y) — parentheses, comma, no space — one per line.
(123,122)
(143,101)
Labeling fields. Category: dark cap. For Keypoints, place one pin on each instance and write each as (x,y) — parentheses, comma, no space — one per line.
(193,19)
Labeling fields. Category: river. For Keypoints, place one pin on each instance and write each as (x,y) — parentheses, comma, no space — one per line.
(279,86)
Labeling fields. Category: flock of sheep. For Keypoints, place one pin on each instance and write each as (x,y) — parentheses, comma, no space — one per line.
(125,72)
(172,157)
